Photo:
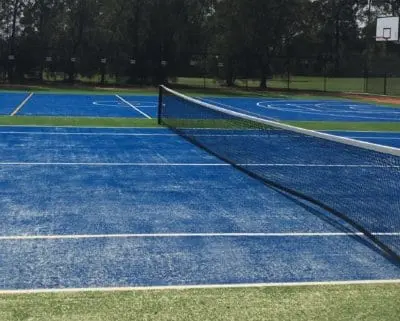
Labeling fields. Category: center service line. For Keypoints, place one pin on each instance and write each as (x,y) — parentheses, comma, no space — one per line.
(135,108)
(21,105)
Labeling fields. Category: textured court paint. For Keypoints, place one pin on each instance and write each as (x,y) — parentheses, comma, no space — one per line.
(382,138)
(93,263)
(280,109)
(119,200)
(41,200)
(181,235)
(312,110)
(80,105)
(10,101)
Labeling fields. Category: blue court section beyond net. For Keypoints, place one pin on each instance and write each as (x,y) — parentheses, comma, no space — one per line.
(146,106)
(88,106)
(311,110)
(10,101)
(143,207)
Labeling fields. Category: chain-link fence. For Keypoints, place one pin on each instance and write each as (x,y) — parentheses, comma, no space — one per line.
(376,74)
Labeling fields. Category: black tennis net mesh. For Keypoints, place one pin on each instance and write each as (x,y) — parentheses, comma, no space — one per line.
(357,181)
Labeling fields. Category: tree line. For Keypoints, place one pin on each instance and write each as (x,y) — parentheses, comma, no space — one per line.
(160,38)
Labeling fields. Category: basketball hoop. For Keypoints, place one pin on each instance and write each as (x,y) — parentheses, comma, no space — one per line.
(387,29)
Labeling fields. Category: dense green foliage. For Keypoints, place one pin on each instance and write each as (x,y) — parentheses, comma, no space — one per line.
(242,37)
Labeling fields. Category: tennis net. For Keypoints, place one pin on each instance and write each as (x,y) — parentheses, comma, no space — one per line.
(356,181)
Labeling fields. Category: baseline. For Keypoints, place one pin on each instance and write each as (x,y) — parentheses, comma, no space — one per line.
(202,286)
(189,235)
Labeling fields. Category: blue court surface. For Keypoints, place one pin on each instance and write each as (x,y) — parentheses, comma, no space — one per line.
(10,101)
(91,207)
(146,107)
(90,106)
(311,110)
(391,139)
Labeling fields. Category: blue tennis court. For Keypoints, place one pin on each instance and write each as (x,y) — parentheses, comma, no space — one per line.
(146,107)
(309,110)
(91,207)
(90,106)
(382,138)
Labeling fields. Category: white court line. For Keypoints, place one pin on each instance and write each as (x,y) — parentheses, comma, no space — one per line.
(362,131)
(21,105)
(236,108)
(85,127)
(373,137)
(166,134)
(86,133)
(108,164)
(300,109)
(202,286)
(184,235)
(193,164)
(135,108)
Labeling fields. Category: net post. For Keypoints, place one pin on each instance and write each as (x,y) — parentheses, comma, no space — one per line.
(160,92)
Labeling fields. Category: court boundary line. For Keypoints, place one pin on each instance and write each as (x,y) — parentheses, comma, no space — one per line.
(201,286)
(94,127)
(92,134)
(323,113)
(166,134)
(360,131)
(21,105)
(374,137)
(188,235)
(211,101)
(194,165)
(132,106)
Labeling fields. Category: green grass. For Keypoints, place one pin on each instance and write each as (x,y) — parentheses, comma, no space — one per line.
(142,91)
(77,121)
(141,122)
(302,87)
(296,82)
(305,83)
(356,126)
(357,302)
(204,85)
(81,90)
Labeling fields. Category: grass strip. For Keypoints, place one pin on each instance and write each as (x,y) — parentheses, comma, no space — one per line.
(355,302)
(81,90)
(142,122)
(77,121)
(139,91)
(355,126)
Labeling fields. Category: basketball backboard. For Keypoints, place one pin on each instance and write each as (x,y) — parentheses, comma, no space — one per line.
(387,29)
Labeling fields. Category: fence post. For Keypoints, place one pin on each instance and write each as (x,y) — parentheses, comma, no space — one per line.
(288,74)
(205,70)
(385,84)
(160,104)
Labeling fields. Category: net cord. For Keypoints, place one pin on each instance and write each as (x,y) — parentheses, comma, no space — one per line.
(343,140)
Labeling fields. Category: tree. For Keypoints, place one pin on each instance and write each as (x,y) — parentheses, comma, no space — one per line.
(261,28)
